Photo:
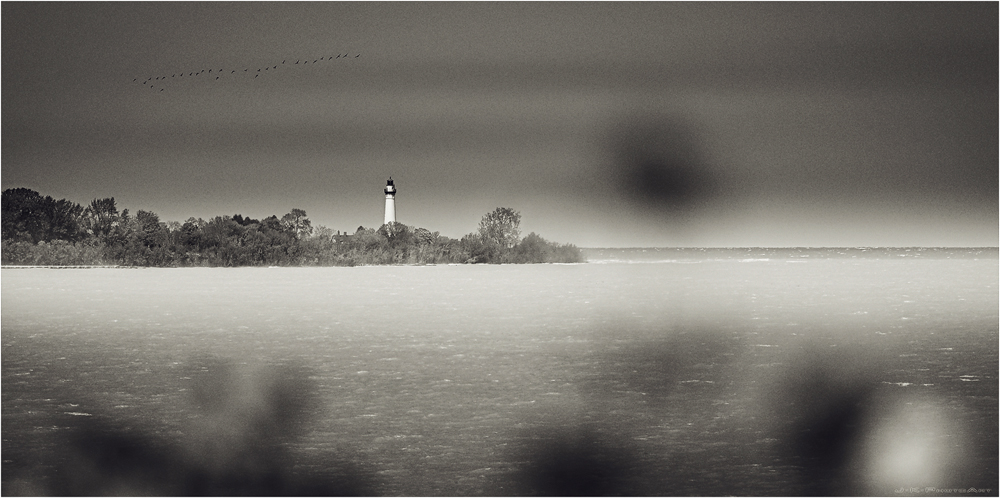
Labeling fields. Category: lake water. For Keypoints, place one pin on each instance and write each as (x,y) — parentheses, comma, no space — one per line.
(668,372)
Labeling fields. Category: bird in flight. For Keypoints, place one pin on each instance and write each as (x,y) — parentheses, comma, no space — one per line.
(271,68)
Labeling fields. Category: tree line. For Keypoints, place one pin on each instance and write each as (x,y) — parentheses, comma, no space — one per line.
(40,230)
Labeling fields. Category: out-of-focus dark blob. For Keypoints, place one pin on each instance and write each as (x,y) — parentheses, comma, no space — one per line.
(573,462)
(236,444)
(656,165)
(849,431)
(101,458)
(822,409)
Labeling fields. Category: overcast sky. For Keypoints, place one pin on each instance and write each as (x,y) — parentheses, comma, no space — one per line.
(604,124)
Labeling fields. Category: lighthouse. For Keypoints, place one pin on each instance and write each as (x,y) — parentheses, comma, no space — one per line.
(390,202)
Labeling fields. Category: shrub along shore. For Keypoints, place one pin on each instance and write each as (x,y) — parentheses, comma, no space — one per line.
(42,231)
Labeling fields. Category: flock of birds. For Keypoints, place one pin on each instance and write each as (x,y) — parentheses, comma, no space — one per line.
(160,82)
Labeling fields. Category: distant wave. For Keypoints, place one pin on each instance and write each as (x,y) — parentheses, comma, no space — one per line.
(791,254)
(638,262)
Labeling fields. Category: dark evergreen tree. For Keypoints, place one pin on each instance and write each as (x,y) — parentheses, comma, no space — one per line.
(29,217)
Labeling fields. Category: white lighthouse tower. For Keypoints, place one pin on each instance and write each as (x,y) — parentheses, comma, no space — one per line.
(390,202)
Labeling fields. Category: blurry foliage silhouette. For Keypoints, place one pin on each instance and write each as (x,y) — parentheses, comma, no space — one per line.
(236,444)
(687,394)
(572,462)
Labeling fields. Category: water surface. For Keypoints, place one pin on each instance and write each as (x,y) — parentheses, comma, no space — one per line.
(749,372)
